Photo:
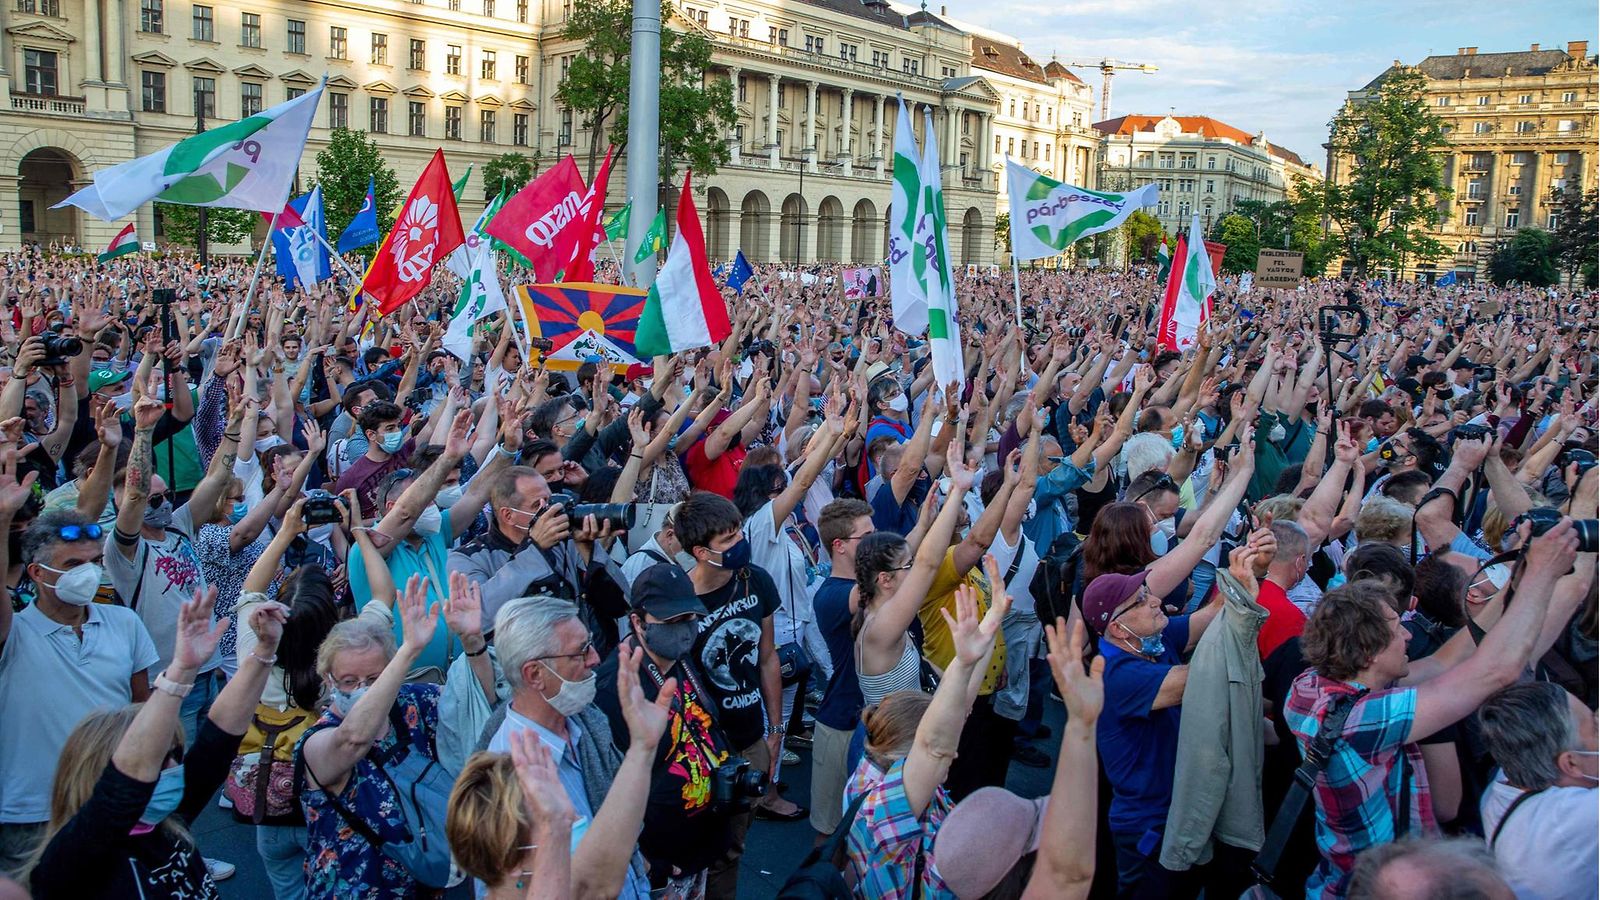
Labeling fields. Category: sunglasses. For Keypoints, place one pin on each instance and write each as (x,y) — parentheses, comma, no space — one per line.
(1164,483)
(90,532)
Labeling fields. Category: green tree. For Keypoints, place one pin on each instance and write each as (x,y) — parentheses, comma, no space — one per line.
(1239,233)
(1577,233)
(513,170)
(181,224)
(1306,200)
(1391,141)
(1142,235)
(1530,257)
(1002,232)
(343,168)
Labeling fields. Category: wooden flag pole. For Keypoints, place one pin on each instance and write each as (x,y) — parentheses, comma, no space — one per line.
(249,295)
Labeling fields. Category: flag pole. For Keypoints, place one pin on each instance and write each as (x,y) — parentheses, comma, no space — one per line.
(1016,286)
(335,255)
(249,295)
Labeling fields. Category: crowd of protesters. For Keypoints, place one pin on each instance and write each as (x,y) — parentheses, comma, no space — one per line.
(419,618)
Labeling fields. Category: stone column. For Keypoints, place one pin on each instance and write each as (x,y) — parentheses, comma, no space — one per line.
(116,44)
(11,213)
(848,147)
(772,120)
(92,70)
(877,135)
(811,128)
(733,137)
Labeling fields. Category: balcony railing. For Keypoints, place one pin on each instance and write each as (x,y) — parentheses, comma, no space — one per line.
(72,106)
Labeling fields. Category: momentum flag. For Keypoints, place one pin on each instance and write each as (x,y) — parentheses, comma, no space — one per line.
(944,331)
(684,310)
(363,229)
(1187,304)
(300,257)
(124,243)
(655,237)
(426,230)
(617,224)
(1047,215)
(580,267)
(908,232)
(248,164)
(480,297)
(535,221)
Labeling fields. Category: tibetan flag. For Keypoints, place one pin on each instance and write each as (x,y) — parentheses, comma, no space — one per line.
(363,229)
(583,322)
(739,272)
(617,223)
(124,243)
(655,238)
(461,183)
(248,164)
(591,231)
(684,309)
(427,229)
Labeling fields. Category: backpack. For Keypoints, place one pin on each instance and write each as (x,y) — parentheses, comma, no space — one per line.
(821,874)
(1055,586)
(422,792)
(261,782)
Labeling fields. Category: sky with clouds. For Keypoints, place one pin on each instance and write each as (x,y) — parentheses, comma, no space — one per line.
(1282,66)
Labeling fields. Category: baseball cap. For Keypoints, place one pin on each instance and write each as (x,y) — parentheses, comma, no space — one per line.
(1105,594)
(100,378)
(665,591)
(983,837)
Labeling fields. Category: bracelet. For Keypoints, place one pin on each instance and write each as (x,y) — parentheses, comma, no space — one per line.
(772,730)
(167,686)
(231,437)
(480,651)
(268,661)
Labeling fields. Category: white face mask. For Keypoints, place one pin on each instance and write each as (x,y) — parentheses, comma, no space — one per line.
(574,696)
(267,443)
(78,585)
(123,401)
(899,403)
(448,496)
(429,521)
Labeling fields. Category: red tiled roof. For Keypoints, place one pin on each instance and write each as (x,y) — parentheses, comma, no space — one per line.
(1056,70)
(1202,125)
(1007,59)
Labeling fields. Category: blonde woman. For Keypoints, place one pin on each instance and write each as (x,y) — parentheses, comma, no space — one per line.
(126,788)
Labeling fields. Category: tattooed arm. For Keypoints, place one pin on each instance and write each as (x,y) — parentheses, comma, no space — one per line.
(136,496)
(211,487)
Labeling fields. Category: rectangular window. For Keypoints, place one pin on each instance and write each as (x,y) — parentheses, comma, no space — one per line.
(249,98)
(880,59)
(848,51)
(152,16)
(1525,127)
(297,36)
(566,9)
(744,28)
(522,70)
(1475,189)
(564,136)
(488,8)
(1471,217)
(1552,222)
(813,44)
(1569,96)
(205,97)
(1524,98)
(418,56)
(380,49)
(1519,159)
(1046,152)
(453,5)
(153,91)
(1442,101)
(741,88)
(997,143)
(522,11)
(42,7)
(378,115)
(1563,159)
(487,132)
(250,30)
(338,42)
(338,110)
(486,66)
(452,59)
(1483,99)
(40,72)
(416,119)
(1011,145)
(1566,125)
(1211,186)
(1513,216)
(452,123)
(1481,127)
(1166,160)
(1211,162)
(204,29)
(1514,190)
(293,92)
(738,135)
(519,129)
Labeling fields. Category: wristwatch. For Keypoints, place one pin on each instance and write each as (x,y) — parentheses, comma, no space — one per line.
(772,730)
(167,686)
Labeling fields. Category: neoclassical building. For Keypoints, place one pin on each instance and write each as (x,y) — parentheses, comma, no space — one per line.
(91,83)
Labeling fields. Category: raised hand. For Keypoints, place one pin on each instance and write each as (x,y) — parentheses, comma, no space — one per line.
(1084,692)
(418,617)
(463,609)
(13,493)
(646,719)
(267,621)
(972,638)
(460,437)
(148,410)
(197,636)
(316,439)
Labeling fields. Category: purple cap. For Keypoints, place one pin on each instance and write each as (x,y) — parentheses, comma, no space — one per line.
(983,837)
(1105,594)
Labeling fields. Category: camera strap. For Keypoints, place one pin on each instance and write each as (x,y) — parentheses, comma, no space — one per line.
(690,688)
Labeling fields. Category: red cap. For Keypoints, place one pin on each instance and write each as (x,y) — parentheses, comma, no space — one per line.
(1105,594)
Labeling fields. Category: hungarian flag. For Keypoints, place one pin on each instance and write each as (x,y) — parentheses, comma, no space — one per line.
(1163,259)
(535,222)
(617,224)
(591,231)
(124,243)
(683,309)
(248,164)
(426,230)
(655,238)
(1187,302)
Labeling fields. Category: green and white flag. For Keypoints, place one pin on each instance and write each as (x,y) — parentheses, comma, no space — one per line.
(461,183)
(617,224)
(480,298)
(1047,215)
(124,243)
(460,260)
(248,164)
(908,232)
(655,238)
(944,330)
(1163,260)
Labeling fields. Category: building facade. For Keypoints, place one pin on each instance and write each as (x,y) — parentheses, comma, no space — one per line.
(1044,113)
(1199,163)
(86,84)
(1521,125)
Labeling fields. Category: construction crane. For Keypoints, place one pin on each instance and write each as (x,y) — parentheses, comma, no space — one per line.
(1108,67)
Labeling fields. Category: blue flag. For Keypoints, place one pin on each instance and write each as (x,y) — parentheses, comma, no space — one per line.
(1446,280)
(740,272)
(301,258)
(363,229)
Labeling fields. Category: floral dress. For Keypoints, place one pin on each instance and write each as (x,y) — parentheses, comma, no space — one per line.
(664,483)
(227,570)
(340,864)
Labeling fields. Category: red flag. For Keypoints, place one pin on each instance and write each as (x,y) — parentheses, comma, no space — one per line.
(286,219)
(1167,332)
(536,221)
(590,227)
(426,230)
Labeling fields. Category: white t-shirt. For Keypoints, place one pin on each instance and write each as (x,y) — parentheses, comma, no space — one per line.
(775,547)
(1546,851)
(50,680)
(160,578)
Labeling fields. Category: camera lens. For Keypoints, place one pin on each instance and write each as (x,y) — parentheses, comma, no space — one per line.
(1588,534)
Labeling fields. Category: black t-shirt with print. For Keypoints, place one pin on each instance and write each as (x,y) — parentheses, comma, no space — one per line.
(728,650)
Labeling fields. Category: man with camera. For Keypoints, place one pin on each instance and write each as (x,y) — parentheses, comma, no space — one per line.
(694,788)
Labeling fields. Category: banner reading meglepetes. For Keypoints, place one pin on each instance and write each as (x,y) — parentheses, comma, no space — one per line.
(1047,215)
(1279,268)
(537,221)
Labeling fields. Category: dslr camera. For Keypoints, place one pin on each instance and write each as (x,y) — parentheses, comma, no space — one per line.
(1583,458)
(734,785)
(1544,518)
(1469,432)
(322,508)
(58,348)
(621,516)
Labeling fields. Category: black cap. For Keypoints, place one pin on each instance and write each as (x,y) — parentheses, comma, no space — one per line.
(1463,363)
(665,591)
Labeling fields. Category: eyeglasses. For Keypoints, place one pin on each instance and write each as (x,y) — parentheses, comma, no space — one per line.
(855,537)
(349,684)
(90,532)
(583,652)
(1164,483)
(1142,598)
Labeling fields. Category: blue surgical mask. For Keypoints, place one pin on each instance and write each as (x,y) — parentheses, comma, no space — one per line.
(164,801)
(1177,436)
(393,441)
(345,701)
(1150,644)
(239,511)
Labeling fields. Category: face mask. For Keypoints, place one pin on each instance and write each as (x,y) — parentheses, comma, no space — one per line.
(1149,644)
(1586,753)
(1277,434)
(346,701)
(671,640)
(574,696)
(899,403)
(100,365)
(77,585)
(429,521)
(1177,437)
(1159,539)
(447,497)
(123,401)
(168,794)
(267,443)
(735,557)
(239,511)
(159,516)
(393,441)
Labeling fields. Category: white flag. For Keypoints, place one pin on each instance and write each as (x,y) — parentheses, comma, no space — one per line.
(1196,284)
(907,276)
(1047,215)
(944,329)
(480,297)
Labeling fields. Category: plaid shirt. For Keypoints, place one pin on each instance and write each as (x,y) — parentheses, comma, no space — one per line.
(886,839)
(1358,794)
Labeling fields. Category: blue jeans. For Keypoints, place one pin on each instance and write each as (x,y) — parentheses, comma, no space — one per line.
(197,703)
(283,854)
